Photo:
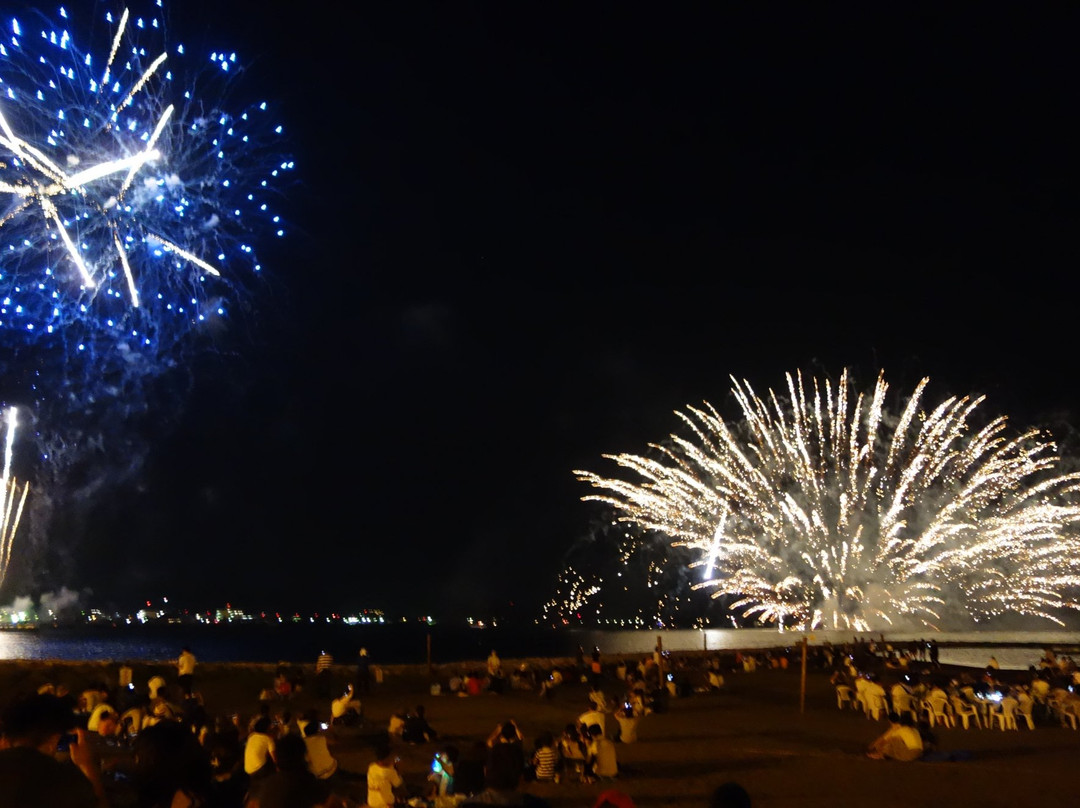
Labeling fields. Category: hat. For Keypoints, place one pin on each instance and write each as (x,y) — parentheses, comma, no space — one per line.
(614,798)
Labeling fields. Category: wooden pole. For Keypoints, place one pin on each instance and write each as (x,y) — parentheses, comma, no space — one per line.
(802,687)
(660,662)
(429,669)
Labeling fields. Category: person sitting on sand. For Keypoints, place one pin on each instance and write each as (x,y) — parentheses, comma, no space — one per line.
(503,773)
(30,773)
(628,723)
(599,700)
(545,758)
(456,683)
(506,733)
(469,769)
(417,729)
(901,741)
(293,784)
(383,778)
(571,748)
(397,723)
(260,750)
(442,772)
(345,709)
(593,716)
(600,756)
(729,795)
(171,768)
(156,686)
(320,761)
(474,684)
(553,680)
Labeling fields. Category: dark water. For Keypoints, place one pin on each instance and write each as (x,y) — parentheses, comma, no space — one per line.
(388,644)
(408,643)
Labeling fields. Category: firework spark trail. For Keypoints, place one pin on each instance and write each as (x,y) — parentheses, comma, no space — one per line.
(820,517)
(10,513)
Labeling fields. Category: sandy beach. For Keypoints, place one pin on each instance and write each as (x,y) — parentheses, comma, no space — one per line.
(753,732)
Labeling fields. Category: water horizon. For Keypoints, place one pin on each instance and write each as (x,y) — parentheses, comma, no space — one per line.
(406,644)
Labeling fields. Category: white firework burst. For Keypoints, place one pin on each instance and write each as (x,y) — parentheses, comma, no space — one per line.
(822,510)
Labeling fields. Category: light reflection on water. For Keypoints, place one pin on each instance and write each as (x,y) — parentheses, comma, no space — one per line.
(395,645)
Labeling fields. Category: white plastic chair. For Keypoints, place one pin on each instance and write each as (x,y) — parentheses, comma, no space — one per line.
(1004,715)
(876,706)
(940,712)
(1025,711)
(845,697)
(1069,716)
(905,703)
(965,712)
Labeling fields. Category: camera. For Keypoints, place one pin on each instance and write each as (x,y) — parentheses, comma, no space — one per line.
(436,764)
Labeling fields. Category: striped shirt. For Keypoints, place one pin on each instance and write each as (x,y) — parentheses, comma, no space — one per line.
(323,663)
(545,759)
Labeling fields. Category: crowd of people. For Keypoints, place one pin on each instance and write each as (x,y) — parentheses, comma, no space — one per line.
(120,746)
(917,699)
(157,745)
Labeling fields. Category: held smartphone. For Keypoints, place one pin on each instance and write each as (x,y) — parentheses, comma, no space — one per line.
(64,744)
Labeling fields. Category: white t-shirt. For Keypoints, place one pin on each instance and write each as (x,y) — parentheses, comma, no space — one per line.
(257,749)
(381,782)
(95,716)
(320,762)
(590,717)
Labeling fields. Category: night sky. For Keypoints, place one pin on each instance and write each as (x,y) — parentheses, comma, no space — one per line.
(522,235)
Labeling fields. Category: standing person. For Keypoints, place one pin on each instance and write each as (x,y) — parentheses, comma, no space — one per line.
(126,677)
(363,672)
(185,667)
(383,777)
(324,673)
(494,664)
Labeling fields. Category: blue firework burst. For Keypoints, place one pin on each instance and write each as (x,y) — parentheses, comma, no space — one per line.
(131,193)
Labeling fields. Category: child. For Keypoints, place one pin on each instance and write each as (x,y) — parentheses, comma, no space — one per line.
(545,758)
(442,771)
